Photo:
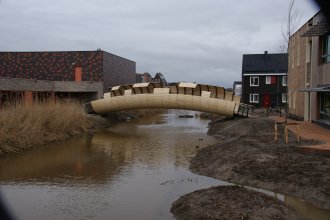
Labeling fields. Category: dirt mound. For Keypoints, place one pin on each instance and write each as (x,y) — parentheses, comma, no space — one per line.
(239,128)
(255,159)
(230,202)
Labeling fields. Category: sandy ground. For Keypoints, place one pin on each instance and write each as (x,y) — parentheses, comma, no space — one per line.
(247,154)
(230,202)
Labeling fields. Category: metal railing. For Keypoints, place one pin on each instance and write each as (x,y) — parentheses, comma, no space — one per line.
(244,109)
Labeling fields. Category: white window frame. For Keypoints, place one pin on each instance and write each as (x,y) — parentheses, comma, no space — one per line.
(284,98)
(254,77)
(284,80)
(254,98)
(268,80)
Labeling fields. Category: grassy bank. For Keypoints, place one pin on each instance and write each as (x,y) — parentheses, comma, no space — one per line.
(24,126)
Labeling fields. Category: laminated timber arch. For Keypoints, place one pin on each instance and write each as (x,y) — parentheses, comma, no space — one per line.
(189,96)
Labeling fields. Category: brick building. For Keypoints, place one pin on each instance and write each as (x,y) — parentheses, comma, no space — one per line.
(85,72)
(264,79)
(309,71)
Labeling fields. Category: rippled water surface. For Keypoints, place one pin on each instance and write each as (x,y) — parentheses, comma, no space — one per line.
(132,170)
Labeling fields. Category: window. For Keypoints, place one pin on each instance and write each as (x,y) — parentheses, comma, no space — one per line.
(284,80)
(325,105)
(326,49)
(254,98)
(284,98)
(274,79)
(268,79)
(298,53)
(308,51)
(254,81)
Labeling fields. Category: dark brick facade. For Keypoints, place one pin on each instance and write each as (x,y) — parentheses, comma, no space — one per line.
(117,70)
(260,66)
(274,90)
(98,66)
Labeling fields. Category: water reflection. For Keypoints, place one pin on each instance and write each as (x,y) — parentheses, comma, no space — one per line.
(73,160)
(305,210)
(308,211)
(132,170)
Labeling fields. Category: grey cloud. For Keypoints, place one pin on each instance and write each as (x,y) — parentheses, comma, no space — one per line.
(191,40)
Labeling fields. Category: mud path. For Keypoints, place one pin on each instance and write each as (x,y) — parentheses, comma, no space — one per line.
(247,154)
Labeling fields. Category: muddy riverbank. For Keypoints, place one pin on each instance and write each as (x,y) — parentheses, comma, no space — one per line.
(247,154)
(230,202)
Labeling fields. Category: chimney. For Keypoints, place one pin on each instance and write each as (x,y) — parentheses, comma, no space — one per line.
(266,52)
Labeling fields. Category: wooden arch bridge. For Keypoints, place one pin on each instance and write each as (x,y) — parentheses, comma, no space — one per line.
(189,96)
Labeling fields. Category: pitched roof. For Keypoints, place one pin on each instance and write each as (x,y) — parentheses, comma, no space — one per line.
(273,63)
(322,27)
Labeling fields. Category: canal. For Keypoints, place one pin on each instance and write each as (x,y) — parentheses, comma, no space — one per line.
(132,170)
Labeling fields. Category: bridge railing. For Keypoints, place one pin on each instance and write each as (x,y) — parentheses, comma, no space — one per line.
(244,110)
(179,88)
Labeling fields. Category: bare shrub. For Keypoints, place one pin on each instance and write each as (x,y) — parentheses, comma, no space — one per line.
(23,126)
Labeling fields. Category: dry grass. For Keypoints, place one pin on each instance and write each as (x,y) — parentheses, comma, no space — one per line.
(24,126)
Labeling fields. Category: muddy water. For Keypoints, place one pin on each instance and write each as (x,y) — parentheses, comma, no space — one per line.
(133,170)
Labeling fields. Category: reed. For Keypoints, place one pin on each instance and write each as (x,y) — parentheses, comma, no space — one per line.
(24,126)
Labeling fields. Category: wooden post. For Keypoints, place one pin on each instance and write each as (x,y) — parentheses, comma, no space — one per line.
(298,135)
(276,135)
(286,134)
(267,111)
(0,100)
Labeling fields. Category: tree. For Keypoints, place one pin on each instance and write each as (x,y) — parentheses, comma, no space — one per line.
(289,27)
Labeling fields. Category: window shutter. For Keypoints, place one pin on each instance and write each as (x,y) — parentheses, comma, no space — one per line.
(273,80)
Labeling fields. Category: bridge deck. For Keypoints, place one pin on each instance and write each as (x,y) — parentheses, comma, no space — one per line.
(190,96)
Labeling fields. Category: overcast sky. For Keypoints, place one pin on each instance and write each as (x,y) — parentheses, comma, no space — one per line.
(186,40)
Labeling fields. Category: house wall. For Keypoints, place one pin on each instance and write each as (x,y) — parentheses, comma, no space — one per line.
(320,73)
(297,72)
(262,65)
(15,90)
(96,66)
(273,90)
(117,71)
(306,71)
(53,66)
